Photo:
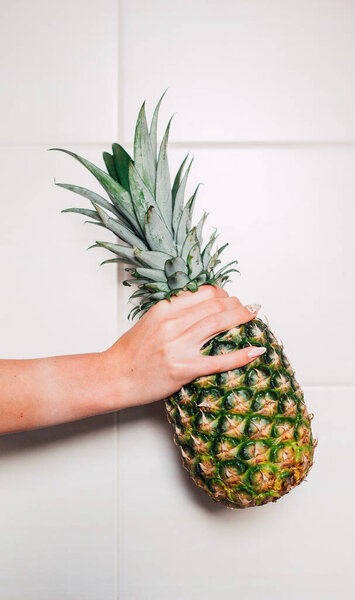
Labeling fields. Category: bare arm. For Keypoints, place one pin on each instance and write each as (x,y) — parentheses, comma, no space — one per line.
(152,360)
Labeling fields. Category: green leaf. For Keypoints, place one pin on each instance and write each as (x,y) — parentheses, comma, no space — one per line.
(83,211)
(144,160)
(153,274)
(179,198)
(190,241)
(223,272)
(154,126)
(177,179)
(174,265)
(119,229)
(157,234)
(158,286)
(142,197)
(206,254)
(110,165)
(121,160)
(199,227)
(183,227)
(162,184)
(89,195)
(119,196)
(178,280)
(156,260)
(122,251)
(191,207)
(194,261)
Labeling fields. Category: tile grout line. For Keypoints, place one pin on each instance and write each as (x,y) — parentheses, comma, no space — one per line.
(118,128)
(218,144)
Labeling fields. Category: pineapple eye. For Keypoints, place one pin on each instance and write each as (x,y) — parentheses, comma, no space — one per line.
(255,331)
(288,405)
(233,426)
(232,379)
(238,401)
(284,454)
(281,381)
(265,403)
(259,427)
(259,378)
(210,400)
(187,395)
(262,478)
(254,452)
(224,348)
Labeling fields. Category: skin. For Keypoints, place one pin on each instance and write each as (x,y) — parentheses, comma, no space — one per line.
(158,355)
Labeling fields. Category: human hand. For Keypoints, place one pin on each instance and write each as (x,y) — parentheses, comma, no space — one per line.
(161,352)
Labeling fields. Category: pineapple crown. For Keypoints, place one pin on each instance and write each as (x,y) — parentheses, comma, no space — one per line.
(162,249)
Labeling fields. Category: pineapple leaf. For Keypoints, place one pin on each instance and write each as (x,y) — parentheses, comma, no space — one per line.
(191,207)
(149,258)
(83,211)
(142,197)
(174,265)
(183,227)
(89,195)
(179,198)
(119,196)
(190,241)
(153,274)
(206,254)
(157,286)
(199,228)
(154,126)
(121,161)
(121,251)
(110,165)
(177,280)
(119,229)
(162,184)
(177,179)
(157,234)
(143,152)
(194,261)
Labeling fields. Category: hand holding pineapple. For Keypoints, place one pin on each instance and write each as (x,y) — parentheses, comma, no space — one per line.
(147,363)
(161,352)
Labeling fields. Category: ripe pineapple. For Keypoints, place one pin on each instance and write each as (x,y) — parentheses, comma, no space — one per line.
(244,435)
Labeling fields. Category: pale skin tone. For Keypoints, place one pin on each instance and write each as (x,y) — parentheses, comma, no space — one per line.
(158,355)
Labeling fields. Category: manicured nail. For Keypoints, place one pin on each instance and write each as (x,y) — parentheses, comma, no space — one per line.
(257,351)
(253,308)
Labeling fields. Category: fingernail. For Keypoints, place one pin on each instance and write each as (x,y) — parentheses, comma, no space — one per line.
(253,308)
(257,351)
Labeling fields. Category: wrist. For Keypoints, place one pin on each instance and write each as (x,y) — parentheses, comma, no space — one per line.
(114,380)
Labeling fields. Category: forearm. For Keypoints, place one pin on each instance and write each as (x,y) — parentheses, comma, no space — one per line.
(47,391)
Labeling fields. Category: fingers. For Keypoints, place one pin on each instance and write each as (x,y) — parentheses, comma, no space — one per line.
(207,365)
(186,300)
(215,305)
(215,323)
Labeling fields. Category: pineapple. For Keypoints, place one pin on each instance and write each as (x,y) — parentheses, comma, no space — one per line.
(244,435)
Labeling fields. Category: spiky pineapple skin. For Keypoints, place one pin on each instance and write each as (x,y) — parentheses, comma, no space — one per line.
(245,435)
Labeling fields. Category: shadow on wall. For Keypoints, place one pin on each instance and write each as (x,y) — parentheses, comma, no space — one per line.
(36,439)
(154,416)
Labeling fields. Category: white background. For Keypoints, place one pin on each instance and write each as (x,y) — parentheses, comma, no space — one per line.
(264,92)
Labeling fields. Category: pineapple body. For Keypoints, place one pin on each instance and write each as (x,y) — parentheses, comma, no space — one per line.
(244,435)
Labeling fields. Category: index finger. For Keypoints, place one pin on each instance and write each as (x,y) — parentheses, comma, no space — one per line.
(188,299)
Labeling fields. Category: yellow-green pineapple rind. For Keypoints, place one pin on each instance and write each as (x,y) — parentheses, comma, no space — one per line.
(245,435)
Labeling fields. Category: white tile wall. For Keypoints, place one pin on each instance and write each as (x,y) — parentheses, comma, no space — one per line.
(177,543)
(245,70)
(288,216)
(59,62)
(264,93)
